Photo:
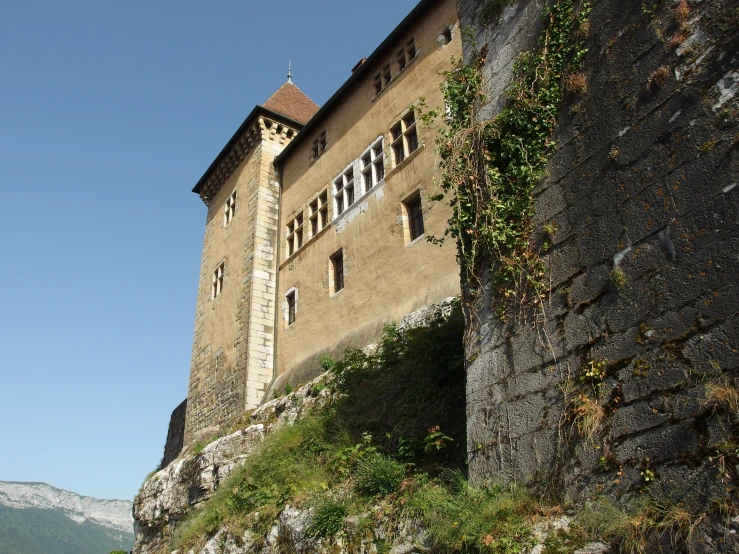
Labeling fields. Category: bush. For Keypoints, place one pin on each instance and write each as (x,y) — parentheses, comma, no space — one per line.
(377,474)
(327,519)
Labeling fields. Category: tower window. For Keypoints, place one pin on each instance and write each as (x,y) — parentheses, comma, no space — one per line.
(217,285)
(336,268)
(229,210)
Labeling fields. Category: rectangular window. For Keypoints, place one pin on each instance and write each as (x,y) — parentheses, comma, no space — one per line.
(294,234)
(318,146)
(290,299)
(229,210)
(217,286)
(336,265)
(406,54)
(386,75)
(405,137)
(344,191)
(318,213)
(373,165)
(414,213)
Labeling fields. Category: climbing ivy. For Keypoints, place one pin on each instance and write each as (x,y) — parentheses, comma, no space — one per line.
(490,168)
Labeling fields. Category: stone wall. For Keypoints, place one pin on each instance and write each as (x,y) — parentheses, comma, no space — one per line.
(643,268)
(175,435)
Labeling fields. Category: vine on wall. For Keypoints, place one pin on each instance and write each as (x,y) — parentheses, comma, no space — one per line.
(491,168)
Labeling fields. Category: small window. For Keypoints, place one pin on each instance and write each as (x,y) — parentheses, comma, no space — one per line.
(414,214)
(405,137)
(291,305)
(217,286)
(294,234)
(336,268)
(377,84)
(445,37)
(386,75)
(406,54)
(229,210)
(318,146)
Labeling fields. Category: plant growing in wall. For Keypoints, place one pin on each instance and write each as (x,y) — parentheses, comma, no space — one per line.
(491,168)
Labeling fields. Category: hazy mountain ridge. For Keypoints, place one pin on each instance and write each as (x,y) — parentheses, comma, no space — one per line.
(113,514)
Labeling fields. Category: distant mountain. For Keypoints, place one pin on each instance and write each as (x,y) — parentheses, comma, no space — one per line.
(36,518)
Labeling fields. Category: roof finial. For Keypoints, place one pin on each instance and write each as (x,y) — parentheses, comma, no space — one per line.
(289,72)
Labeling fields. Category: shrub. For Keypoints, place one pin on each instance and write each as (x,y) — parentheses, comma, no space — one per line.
(377,474)
(327,519)
(327,362)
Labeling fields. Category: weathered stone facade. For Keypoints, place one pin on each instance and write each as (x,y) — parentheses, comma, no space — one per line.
(387,273)
(643,265)
(175,434)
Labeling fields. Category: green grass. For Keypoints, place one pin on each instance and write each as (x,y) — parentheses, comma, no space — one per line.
(391,446)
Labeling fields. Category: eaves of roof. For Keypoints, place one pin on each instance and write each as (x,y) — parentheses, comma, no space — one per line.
(377,56)
(247,122)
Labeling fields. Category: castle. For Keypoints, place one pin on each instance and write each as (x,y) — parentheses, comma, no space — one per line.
(317,221)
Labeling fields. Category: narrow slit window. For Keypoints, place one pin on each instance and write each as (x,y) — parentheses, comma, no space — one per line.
(290,299)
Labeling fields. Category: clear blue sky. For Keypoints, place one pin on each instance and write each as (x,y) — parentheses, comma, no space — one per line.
(109,114)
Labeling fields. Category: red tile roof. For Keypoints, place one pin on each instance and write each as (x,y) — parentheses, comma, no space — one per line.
(291,102)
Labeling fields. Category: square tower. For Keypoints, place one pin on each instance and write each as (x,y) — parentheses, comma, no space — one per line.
(232,355)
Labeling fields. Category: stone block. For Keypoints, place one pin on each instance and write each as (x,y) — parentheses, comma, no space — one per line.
(537,346)
(591,284)
(663,443)
(649,373)
(716,349)
(635,418)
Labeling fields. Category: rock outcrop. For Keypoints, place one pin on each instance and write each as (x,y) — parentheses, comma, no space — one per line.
(167,497)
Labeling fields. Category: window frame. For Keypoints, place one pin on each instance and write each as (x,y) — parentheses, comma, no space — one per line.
(337,272)
(229,209)
(404,136)
(291,306)
(318,213)
(318,146)
(372,163)
(217,281)
(344,190)
(413,208)
(294,233)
